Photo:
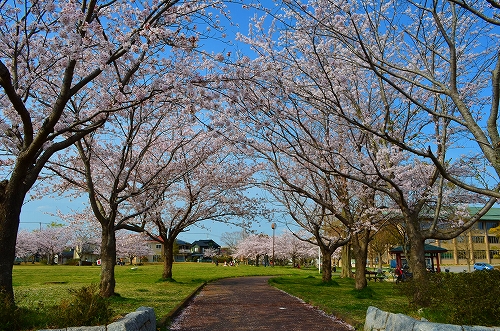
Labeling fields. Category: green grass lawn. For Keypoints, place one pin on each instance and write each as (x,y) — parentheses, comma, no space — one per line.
(339,297)
(40,286)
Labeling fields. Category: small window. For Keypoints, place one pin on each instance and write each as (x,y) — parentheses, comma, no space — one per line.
(157,258)
(447,255)
(478,239)
(480,254)
(158,246)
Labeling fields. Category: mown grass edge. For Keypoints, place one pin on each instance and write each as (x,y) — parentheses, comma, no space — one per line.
(165,321)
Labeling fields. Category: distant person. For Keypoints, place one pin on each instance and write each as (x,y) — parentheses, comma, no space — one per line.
(399,274)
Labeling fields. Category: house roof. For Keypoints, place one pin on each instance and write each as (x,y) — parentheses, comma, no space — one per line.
(182,242)
(427,248)
(493,214)
(206,243)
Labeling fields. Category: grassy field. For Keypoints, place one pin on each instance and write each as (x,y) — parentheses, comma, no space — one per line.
(40,286)
(339,297)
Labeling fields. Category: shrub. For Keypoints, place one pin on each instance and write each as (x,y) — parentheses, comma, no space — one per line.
(460,298)
(86,308)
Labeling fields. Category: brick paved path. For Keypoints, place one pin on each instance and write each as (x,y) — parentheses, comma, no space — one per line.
(249,303)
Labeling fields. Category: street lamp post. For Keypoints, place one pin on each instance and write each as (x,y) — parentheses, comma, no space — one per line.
(273,226)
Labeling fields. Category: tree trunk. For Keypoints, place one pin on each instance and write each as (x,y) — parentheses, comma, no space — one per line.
(416,251)
(168,258)
(346,261)
(360,251)
(416,259)
(10,210)
(326,261)
(108,260)
(50,258)
(359,274)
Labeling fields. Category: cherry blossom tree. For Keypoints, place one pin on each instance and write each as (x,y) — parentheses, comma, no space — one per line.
(211,253)
(132,155)
(310,78)
(132,245)
(216,188)
(309,150)
(53,240)
(487,12)
(254,247)
(446,72)
(444,51)
(86,236)
(336,212)
(65,67)
(309,155)
(323,229)
(26,245)
(47,242)
(454,61)
(304,151)
(289,246)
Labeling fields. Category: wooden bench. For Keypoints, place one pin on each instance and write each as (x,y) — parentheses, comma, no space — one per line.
(373,275)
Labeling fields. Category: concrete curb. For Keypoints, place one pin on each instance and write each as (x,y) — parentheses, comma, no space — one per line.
(143,319)
(378,320)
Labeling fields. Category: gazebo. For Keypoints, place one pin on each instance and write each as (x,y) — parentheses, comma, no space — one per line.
(431,252)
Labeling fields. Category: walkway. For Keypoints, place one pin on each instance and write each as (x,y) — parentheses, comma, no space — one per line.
(249,303)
